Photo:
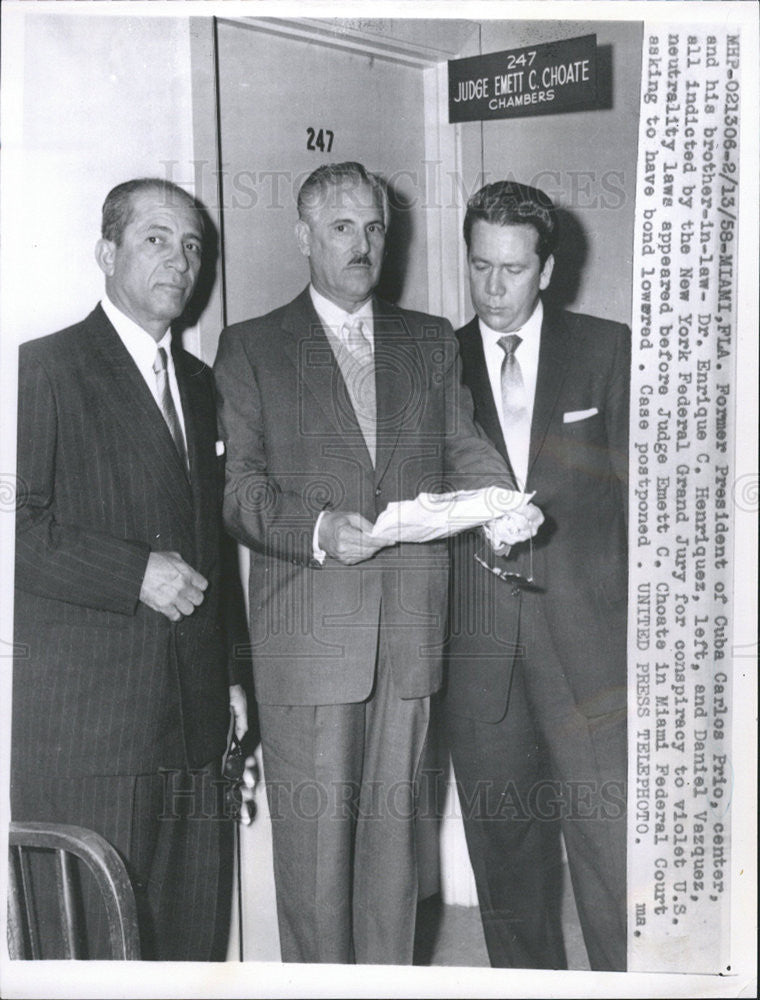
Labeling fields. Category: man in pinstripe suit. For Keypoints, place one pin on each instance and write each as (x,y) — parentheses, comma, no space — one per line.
(120,701)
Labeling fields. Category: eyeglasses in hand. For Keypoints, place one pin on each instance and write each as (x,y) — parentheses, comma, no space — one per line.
(233,770)
(484,556)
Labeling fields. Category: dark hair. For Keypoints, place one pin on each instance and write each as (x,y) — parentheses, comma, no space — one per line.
(315,189)
(507,203)
(117,208)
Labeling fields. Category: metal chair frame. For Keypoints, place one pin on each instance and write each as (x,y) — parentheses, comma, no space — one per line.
(106,866)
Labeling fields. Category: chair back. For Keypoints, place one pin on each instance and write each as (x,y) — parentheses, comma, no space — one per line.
(107,868)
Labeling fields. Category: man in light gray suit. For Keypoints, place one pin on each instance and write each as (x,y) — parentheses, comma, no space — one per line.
(332,407)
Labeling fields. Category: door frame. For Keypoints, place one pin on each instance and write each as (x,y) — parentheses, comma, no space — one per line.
(442,145)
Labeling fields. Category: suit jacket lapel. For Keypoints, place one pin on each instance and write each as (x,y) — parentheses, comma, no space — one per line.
(200,427)
(399,376)
(554,358)
(126,396)
(475,374)
(309,351)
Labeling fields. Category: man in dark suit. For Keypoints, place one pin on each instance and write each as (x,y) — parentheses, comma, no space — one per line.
(543,665)
(121,693)
(332,407)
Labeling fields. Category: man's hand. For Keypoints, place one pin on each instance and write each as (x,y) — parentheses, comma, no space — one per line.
(244,787)
(170,586)
(239,706)
(248,790)
(347,538)
(513,527)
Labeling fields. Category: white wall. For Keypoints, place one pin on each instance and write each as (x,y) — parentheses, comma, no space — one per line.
(94,101)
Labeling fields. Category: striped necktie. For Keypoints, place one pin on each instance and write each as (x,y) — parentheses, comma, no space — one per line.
(360,382)
(514,402)
(166,402)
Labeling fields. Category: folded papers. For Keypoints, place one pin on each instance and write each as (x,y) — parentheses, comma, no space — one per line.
(438,515)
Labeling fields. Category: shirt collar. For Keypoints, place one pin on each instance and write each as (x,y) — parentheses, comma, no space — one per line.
(334,316)
(141,346)
(529,331)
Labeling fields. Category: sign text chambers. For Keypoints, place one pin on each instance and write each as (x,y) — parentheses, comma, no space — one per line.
(541,79)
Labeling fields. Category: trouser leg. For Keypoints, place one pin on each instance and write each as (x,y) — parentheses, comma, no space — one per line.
(513,849)
(340,786)
(385,866)
(312,768)
(183,857)
(588,764)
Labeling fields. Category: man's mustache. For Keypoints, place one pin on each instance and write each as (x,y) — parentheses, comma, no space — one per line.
(361,258)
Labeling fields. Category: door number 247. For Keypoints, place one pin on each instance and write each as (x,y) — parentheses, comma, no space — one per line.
(316,139)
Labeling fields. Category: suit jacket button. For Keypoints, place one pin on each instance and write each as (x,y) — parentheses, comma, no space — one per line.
(378,491)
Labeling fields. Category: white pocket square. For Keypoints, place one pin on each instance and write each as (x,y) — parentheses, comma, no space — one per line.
(219,448)
(574,415)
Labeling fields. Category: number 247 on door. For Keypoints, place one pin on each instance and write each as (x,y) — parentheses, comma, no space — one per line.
(316,139)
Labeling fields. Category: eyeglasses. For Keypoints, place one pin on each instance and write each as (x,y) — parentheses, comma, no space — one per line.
(519,581)
(232,771)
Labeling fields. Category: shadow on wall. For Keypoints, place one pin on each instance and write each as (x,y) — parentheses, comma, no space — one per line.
(206,278)
(569,261)
(604,92)
(397,243)
(573,249)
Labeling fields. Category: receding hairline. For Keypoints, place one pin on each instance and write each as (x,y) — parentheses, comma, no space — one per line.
(119,205)
(337,185)
(186,202)
(176,195)
(332,177)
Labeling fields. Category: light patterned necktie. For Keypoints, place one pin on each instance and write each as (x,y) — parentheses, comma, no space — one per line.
(514,402)
(168,409)
(360,381)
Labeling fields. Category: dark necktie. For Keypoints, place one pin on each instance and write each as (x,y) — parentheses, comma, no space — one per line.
(514,402)
(168,409)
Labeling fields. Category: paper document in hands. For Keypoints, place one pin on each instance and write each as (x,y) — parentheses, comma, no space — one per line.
(438,515)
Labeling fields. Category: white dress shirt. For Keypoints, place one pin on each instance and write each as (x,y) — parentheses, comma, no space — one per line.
(142,349)
(332,318)
(527,355)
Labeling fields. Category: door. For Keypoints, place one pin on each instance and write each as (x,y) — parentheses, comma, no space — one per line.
(286,105)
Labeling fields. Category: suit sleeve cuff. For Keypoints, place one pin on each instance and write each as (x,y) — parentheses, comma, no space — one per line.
(318,555)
